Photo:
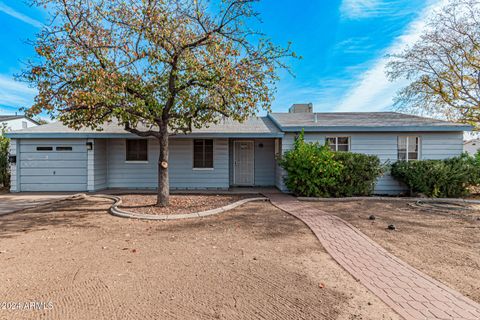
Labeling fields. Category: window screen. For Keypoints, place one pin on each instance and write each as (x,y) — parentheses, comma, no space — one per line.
(137,150)
(203,153)
(339,143)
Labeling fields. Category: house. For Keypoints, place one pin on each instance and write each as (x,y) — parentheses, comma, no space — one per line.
(53,157)
(471,146)
(16,122)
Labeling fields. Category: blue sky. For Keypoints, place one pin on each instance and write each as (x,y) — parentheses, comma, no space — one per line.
(343,44)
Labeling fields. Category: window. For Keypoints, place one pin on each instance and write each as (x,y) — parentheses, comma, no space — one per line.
(203,153)
(44,148)
(339,143)
(137,150)
(408,148)
(64,148)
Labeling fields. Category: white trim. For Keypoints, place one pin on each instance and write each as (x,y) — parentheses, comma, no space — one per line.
(336,141)
(214,144)
(90,165)
(132,161)
(419,151)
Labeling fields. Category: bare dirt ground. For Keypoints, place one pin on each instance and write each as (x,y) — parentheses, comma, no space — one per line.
(444,245)
(179,204)
(255,262)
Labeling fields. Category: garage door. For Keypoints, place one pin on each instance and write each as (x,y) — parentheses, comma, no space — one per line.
(53,165)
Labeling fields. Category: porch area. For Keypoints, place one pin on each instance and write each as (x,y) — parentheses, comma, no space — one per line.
(194,164)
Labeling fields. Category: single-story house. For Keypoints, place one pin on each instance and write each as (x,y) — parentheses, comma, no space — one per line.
(16,122)
(471,146)
(53,157)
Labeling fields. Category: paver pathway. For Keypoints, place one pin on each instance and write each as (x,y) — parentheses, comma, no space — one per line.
(411,293)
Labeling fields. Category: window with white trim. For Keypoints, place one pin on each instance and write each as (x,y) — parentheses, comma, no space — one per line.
(408,148)
(137,150)
(339,143)
(203,154)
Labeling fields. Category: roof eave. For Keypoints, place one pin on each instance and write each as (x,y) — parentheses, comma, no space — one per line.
(378,129)
(100,135)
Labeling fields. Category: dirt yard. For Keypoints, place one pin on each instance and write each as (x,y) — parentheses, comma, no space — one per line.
(255,262)
(179,204)
(444,245)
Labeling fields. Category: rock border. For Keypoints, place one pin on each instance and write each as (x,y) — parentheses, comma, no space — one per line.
(115,211)
(452,200)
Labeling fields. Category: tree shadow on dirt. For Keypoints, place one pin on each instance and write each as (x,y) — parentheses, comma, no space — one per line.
(264,221)
(67,213)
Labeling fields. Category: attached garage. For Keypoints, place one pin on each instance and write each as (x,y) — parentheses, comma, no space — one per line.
(52,165)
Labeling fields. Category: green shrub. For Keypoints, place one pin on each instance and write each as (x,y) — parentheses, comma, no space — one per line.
(316,171)
(358,176)
(448,178)
(4,166)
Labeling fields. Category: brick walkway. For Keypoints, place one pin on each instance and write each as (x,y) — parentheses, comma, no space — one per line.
(411,293)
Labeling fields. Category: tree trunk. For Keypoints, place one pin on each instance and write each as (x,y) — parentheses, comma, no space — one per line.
(163,183)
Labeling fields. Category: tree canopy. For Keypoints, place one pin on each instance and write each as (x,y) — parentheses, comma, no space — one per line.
(443,66)
(165,65)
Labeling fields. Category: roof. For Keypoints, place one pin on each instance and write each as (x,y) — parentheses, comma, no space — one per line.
(272,126)
(255,127)
(361,122)
(4,118)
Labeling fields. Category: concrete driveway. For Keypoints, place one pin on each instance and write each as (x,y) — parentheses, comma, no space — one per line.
(14,202)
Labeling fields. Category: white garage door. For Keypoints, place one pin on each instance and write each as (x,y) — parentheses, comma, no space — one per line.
(53,165)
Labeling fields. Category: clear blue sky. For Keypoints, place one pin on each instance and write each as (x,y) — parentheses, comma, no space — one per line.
(343,44)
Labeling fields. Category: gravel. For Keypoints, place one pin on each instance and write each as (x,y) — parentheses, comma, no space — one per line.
(179,204)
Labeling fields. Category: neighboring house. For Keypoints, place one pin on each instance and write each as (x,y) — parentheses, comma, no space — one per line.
(53,157)
(16,122)
(471,146)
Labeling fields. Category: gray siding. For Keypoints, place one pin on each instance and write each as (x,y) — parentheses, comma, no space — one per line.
(384,145)
(123,174)
(52,170)
(264,162)
(100,164)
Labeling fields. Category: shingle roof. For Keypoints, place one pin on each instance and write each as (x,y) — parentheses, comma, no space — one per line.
(362,121)
(255,126)
(271,126)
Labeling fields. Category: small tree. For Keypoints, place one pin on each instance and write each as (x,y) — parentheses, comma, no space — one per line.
(443,66)
(159,67)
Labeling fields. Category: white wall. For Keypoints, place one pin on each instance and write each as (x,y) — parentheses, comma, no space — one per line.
(434,145)
(17,124)
(472,147)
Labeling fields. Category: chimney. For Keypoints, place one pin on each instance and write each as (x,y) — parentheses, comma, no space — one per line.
(301,108)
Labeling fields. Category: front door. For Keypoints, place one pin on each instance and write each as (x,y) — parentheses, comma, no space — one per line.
(243,163)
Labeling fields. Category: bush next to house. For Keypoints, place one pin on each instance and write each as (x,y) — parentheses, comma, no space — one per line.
(358,175)
(448,178)
(4,166)
(314,170)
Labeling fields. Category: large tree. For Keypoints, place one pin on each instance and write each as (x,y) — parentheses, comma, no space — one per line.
(158,67)
(443,66)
